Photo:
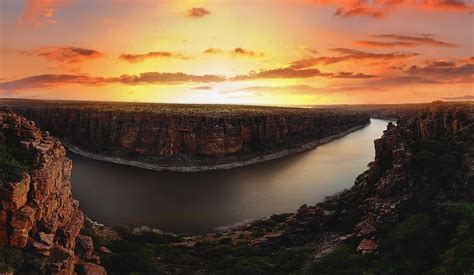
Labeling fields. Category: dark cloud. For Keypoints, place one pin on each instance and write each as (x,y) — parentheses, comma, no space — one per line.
(352,75)
(434,72)
(197,12)
(361,11)
(282,73)
(48,80)
(444,71)
(134,58)
(235,52)
(290,72)
(380,44)
(459,98)
(169,78)
(65,55)
(347,55)
(203,88)
(401,81)
(416,40)
(380,9)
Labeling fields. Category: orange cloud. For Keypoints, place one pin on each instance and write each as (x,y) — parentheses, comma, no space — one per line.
(396,40)
(168,78)
(235,52)
(197,12)
(69,58)
(444,71)
(290,72)
(379,44)
(282,73)
(40,12)
(424,39)
(352,75)
(48,80)
(68,55)
(348,55)
(381,8)
(456,5)
(435,72)
(459,98)
(134,58)
(361,11)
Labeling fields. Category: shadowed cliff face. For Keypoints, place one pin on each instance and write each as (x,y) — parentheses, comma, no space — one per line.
(37,213)
(411,212)
(186,135)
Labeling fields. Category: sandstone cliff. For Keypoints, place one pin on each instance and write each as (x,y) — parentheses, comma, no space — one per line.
(411,212)
(185,135)
(38,213)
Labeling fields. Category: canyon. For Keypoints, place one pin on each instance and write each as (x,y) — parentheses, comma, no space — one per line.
(412,211)
(186,137)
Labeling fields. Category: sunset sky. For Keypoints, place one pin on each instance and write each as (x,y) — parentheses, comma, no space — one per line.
(240,52)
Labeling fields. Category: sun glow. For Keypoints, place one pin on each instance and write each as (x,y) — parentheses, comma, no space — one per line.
(242,52)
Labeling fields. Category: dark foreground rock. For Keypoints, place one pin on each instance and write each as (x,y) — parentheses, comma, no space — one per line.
(39,219)
(167,135)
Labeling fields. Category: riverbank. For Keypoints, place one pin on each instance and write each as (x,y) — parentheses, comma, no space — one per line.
(254,160)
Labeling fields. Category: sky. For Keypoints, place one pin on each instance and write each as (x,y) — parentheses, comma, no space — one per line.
(261,52)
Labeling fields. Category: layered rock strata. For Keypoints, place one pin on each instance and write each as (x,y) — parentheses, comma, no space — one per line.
(181,135)
(38,213)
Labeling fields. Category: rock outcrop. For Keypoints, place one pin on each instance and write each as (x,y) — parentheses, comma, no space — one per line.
(185,135)
(38,213)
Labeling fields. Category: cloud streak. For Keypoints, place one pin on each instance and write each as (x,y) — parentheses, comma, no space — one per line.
(197,12)
(66,55)
(135,58)
(51,80)
(237,52)
(459,98)
(380,9)
(348,55)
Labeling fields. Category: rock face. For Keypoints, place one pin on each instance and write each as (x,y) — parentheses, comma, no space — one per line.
(388,185)
(185,135)
(39,213)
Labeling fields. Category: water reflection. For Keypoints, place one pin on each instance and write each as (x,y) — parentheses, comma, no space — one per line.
(198,202)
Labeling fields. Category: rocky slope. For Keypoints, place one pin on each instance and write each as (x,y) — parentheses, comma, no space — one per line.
(184,135)
(411,212)
(39,219)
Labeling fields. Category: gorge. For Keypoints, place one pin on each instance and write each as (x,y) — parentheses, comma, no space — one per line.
(419,187)
(186,137)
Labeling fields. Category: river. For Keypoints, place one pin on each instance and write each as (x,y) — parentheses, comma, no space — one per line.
(199,202)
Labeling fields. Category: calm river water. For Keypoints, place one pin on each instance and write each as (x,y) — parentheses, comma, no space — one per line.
(199,202)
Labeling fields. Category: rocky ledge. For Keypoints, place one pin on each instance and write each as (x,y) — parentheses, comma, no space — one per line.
(186,137)
(40,221)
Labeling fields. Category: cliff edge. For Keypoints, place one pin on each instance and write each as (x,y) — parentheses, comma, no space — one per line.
(411,212)
(39,219)
(186,137)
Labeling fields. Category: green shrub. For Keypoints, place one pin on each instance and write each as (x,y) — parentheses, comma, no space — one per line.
(11,169)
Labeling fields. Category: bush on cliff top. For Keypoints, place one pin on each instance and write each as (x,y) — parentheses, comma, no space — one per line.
(11,168)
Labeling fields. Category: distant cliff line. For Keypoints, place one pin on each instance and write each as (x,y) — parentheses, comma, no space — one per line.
(262,158)
(187,137)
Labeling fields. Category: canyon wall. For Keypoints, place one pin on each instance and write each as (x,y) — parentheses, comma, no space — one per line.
(410,212)
(178,134)
(38,213)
